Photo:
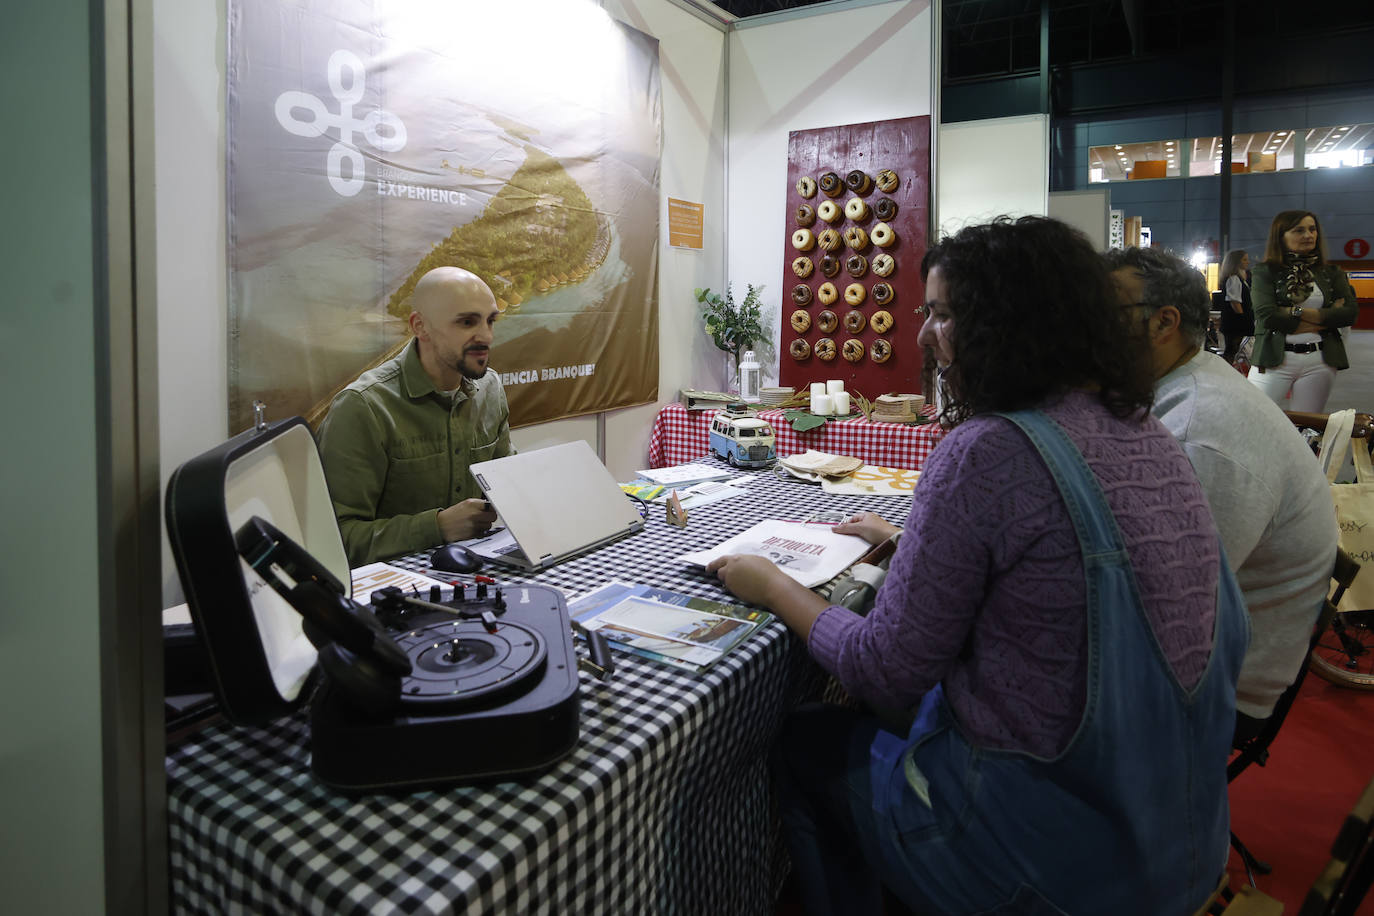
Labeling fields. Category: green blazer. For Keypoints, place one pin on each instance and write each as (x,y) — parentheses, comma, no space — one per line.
(1273,324)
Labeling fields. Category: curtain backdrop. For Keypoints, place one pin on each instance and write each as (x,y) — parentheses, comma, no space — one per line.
(373,140)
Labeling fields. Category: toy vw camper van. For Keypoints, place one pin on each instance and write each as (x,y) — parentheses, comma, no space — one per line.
(743,441)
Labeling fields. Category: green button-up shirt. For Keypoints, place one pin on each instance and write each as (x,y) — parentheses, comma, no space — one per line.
(396,451)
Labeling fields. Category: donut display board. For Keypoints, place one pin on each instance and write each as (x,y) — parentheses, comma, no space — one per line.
(863,193)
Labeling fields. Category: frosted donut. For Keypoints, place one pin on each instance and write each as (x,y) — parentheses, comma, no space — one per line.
(801,321)
(857,265)
(858,181)
(801,294)
(805,215)
(882,235)
(883,265)
(853,350)
(826,293)
(799,349)
(826,322)
(806,186)
(829,211)
(831,185)
(830,265)
(825,349)
(855,294)
(856,238)
(854,321)
(879,350)
(856,209)
(830,240)
(803,240)
(883,293)
(802,267)
(881,321)
(885,209)
(887,181)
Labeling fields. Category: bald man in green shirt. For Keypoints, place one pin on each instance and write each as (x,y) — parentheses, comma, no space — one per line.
(398,441)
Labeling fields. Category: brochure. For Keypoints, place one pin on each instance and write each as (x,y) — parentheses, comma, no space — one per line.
(809,552)
(684,474)
(680,630)
(367,579)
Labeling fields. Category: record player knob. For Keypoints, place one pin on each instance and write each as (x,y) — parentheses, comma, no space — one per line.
(481,590)
(500,604)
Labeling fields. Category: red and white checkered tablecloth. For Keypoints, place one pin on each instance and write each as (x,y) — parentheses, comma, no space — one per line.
(680,436)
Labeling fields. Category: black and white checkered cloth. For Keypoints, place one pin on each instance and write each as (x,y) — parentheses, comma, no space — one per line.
(663,806)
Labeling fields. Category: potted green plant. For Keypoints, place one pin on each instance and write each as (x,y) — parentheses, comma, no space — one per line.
(733,327)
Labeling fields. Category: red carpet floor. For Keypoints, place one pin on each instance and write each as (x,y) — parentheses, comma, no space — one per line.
(1288,811)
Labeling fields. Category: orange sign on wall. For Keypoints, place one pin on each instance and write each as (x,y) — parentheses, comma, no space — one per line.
(685,221)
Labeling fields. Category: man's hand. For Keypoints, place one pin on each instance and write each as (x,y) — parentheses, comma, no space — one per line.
(467,519)
(869,526)
(749,578)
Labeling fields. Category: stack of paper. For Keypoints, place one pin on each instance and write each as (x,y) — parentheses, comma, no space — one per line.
(898,408)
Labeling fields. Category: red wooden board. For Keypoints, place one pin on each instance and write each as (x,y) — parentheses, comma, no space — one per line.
(902,145)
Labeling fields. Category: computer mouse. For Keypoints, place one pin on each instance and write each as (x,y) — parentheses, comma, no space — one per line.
(455,558)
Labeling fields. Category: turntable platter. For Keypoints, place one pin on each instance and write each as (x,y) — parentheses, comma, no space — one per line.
(461,663)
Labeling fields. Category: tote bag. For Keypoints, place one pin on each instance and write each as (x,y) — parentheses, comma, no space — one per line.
(1354,504)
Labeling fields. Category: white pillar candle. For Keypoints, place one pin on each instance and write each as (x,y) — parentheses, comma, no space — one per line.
(834,385)
(817,388)
(822,405)
(841,403)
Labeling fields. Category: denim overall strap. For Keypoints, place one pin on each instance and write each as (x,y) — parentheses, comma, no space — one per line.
(1131,817)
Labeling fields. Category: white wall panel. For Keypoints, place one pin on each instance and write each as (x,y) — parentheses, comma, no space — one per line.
(990,168)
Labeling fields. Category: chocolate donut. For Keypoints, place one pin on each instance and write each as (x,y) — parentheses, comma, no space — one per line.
(885,209)
(829,240)
(805,215)
(855,237)
(856,209)
(887,181)
(858,182)
(853,350)
(803,240)
(884,264)
(857,265)
(879,350)
(806,186)
(801,294)
(829,211)
(825,349)
(854,321)
(881,320)
(802,267)
(826,322)
(855,294)
(801,321)
(799,349)
(882,235)
(826,293)
(831,185)
(830,265)
(883,293)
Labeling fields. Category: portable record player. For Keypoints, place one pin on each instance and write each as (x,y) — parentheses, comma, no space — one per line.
(417,690)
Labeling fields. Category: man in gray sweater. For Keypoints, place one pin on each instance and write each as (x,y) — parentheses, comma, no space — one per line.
(1269,497)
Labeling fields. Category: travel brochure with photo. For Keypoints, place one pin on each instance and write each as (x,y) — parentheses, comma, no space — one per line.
(808,552)
(680,630)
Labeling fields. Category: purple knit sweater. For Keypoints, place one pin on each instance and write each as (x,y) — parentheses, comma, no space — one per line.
(986,591)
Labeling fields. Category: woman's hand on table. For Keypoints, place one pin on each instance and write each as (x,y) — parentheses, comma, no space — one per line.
(758,581)
(868,525)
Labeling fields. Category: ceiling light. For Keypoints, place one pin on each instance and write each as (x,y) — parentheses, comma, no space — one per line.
(1282,133)
(1118,146)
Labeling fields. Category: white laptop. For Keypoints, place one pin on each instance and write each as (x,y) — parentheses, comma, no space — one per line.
(556,503)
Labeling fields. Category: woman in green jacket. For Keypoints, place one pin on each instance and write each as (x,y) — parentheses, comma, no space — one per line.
(1301,302)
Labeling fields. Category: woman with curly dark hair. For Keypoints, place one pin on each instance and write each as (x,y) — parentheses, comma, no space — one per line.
(1301,303)
(1057,623)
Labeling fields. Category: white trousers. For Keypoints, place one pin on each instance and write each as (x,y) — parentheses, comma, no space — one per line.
(1304,375)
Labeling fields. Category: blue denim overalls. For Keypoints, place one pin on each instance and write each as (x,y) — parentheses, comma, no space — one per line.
(1131,818)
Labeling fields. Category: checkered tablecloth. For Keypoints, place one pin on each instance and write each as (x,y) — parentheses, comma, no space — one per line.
(680,435)
(663,806)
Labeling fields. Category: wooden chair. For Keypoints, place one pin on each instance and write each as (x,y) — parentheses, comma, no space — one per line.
(1256,749)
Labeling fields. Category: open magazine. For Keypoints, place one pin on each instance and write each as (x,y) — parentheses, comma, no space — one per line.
(809,552)
(680,630)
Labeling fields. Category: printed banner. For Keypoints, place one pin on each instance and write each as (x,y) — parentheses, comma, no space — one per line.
(373,140)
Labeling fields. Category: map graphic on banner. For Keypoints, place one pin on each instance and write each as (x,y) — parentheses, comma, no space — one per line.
(372,141)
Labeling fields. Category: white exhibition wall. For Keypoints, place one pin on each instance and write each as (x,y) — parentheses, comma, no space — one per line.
(846,67)
(991,168)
